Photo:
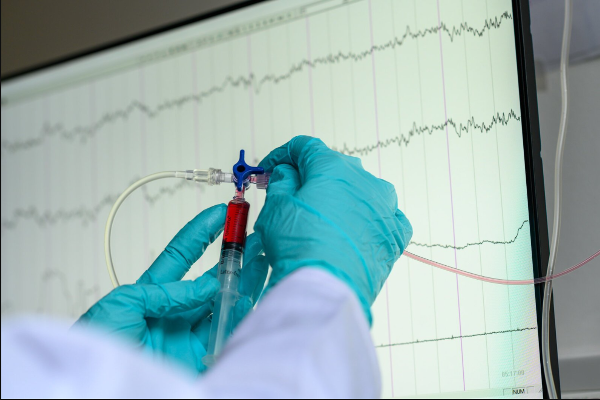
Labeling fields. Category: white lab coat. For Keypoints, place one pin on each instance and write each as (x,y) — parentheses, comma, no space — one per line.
(307,338)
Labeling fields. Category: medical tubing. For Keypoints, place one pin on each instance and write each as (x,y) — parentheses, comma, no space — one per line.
(535,281)
(211,176)
(113,212)
(558,159)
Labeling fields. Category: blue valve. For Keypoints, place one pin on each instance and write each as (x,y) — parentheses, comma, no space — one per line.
(242,171)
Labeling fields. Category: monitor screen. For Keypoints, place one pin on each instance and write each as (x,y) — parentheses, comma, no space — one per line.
(426,93)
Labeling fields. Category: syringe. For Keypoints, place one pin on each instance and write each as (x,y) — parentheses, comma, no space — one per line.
(229,271)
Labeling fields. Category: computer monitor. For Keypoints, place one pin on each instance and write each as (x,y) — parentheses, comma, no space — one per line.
(437,97)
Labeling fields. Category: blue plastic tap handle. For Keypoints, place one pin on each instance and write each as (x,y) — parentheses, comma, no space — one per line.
(242,171)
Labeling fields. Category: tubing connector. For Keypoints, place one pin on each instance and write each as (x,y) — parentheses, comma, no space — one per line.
(261,181)
(212,176)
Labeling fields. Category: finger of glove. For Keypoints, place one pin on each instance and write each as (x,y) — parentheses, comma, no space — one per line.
(388,193)
(196,315)
(405,231)
(160,300)
(202,331)
(252,248)
(301,152)
(187,246)
(284,180)
(254,275)
(241,309)
(283,154)
(213,271)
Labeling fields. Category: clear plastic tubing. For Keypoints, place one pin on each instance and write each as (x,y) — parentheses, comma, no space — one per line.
(229,271)
(535,281)
(558,160)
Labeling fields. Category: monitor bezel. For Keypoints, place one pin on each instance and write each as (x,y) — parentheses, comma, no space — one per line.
(530,129)
(536,195)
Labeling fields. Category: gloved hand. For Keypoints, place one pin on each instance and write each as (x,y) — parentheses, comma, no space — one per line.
(324,210)
(169,317)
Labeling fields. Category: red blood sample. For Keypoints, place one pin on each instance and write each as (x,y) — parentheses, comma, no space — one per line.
(236,221)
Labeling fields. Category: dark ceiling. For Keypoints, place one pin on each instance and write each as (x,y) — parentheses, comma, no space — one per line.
(36,32)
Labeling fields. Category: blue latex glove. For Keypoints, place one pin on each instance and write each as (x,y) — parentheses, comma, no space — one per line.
(324,210)
(169,317)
